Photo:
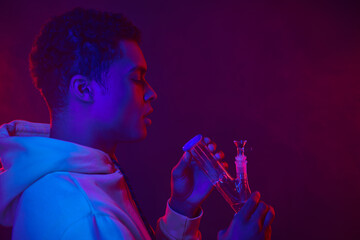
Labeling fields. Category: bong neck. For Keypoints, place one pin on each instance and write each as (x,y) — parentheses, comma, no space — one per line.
(241,171)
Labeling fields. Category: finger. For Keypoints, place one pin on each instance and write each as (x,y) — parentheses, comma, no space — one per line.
(212,147)
(260,213)
(219,155)
(180,168)
(225,165)
(207,140)
(250,206)
(267,233)
(269,218)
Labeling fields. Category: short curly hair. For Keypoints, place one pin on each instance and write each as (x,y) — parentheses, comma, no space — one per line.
(81,41)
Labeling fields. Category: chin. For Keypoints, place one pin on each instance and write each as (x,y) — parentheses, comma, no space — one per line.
(141,135)
(133,133)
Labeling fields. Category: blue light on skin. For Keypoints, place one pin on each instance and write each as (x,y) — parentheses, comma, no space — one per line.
(101,119)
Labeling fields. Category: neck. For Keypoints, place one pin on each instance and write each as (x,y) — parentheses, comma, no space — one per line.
(82,132)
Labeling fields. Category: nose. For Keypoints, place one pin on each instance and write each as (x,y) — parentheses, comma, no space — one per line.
(150,94)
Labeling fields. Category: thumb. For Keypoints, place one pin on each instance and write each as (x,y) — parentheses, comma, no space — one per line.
(183,164)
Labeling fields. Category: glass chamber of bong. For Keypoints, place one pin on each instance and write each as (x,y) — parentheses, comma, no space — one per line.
(235,190)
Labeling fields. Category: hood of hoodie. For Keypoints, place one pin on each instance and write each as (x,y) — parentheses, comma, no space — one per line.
(27,154)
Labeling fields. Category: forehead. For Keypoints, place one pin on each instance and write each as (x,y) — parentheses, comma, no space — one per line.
(132,58)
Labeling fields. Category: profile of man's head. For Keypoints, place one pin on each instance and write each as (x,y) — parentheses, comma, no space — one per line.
(90,61)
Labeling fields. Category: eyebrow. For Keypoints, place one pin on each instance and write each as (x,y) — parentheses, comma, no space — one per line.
(141,69)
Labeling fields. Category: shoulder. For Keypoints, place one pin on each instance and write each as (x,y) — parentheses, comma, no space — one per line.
(50,205)
(58,189)
(97,226)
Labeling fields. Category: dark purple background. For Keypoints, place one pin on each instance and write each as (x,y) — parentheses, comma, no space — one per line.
(283,75)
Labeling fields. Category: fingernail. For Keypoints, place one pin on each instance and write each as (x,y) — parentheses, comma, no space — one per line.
(271,208)
(256,196)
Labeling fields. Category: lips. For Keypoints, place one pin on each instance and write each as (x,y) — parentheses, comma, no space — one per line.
(148,121)
(151,110)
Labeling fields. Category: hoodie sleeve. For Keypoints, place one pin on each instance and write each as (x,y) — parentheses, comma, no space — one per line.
(175,226)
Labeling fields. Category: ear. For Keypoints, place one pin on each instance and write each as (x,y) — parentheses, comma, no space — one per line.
(81,88)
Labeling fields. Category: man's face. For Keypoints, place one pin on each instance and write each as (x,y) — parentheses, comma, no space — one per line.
(121,111)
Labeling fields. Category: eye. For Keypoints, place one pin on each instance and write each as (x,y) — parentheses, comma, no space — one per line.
(139,81)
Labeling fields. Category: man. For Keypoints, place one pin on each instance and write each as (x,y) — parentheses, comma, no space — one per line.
(63,180)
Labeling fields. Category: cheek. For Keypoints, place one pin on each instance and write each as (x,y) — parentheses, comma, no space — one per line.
(110,106)
(130,106)
(123,107)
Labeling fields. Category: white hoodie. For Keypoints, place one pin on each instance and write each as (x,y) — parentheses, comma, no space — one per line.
(53,189)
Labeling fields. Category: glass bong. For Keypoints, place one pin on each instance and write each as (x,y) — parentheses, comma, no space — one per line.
(235,190)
